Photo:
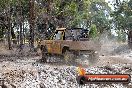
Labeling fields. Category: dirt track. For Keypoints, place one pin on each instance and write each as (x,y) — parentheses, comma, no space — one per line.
(109,60)
(26,72)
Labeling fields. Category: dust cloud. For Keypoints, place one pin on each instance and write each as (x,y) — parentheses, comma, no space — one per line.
(111,46)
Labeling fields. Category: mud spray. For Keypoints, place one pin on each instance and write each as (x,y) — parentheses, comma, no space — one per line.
(112,46)
(112,51)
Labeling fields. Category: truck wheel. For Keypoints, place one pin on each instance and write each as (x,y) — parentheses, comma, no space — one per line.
(68,56)
(44,54)
(93,57)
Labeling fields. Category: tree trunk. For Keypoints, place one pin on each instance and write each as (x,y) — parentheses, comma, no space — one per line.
(9,29)
(130,39)
(13,35)
(32,23)
(20,24)
(23,31)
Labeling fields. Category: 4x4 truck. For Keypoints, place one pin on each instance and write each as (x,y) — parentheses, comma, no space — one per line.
(70,44)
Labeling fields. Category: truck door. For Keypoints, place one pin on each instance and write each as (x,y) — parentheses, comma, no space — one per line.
(56,47)
(49,46)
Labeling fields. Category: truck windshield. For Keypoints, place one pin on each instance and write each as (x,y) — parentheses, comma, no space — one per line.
(58,35)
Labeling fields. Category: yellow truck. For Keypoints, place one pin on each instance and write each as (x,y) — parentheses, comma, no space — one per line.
(70,44)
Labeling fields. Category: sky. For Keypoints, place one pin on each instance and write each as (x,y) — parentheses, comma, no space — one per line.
(110,2)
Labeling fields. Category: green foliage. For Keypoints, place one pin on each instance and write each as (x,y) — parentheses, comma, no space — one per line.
(122,16)
(100,12)
(90,14)
(93,33)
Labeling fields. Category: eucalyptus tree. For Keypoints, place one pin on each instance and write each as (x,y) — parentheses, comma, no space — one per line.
(122,17)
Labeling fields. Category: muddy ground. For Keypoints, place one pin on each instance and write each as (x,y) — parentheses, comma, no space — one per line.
(23,70)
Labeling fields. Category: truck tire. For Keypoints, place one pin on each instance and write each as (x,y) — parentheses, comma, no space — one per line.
(68,57)
(93,57)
